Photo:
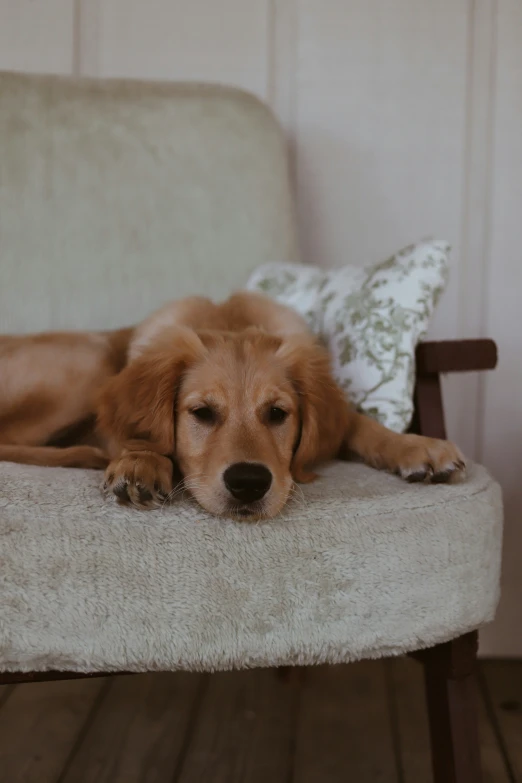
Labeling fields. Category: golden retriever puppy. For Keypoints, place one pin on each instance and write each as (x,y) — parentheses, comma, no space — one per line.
(239,396)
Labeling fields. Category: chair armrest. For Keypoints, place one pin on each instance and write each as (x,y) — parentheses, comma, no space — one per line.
(434,358)
(455,356)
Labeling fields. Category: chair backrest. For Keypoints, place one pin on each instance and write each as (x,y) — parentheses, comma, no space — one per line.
(116,196)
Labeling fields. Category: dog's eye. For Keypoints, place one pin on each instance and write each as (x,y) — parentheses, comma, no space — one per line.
(276,415)
(204,414)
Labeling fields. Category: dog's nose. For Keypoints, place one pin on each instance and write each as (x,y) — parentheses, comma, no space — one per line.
(247,481)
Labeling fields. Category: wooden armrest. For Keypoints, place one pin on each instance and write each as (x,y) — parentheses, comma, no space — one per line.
(456,356)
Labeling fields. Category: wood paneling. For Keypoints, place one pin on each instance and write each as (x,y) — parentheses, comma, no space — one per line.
(502,685)
(473,259)
(385,120)
(244,731)
(344,729)
(409,708)
(139,731)
(381,118)
(37,36)
(225,41)
(361,722)
(40,726)
(411,719)
(501,413)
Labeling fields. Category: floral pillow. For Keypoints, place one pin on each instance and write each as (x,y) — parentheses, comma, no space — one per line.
(371,318)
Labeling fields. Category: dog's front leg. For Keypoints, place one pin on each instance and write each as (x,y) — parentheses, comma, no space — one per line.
(136,422)
(413,457)
(141,477)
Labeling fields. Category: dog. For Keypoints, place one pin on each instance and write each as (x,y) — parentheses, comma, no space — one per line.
(239,396)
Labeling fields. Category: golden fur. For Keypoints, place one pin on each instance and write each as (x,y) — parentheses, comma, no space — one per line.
(239,396)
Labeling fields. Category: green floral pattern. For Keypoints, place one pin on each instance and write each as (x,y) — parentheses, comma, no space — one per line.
(370,318)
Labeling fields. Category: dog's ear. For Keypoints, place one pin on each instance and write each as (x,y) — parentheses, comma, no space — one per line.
(324,412)
(135,409)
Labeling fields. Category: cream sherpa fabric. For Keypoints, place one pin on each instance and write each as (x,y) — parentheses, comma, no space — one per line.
(117,196)
(365,565)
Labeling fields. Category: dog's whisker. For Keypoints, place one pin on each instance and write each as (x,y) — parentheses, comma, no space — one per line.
(296,496)
(298,491)
(192,487)
(171,496)
(184,488)
(176,492)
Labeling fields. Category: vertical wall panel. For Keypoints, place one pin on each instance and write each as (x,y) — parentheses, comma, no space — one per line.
(225,41)
(502,411)
(37,36)
(381,115)
(463,392)
(283,65)
(382,118)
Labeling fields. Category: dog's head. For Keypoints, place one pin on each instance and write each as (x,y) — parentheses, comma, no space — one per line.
(244,414)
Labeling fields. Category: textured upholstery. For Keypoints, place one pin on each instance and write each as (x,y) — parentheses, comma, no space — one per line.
(363,565)
(116,196)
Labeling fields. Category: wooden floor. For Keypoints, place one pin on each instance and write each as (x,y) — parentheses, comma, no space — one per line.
(359,723)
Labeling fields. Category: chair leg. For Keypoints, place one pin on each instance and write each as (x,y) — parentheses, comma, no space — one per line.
(450,679)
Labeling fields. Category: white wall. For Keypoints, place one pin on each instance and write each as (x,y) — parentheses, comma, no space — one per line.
(405,120)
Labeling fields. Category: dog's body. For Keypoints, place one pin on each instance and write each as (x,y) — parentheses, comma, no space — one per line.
(239,395)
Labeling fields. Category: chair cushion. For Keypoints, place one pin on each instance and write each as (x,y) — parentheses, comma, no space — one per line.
(362,565)
(118,195)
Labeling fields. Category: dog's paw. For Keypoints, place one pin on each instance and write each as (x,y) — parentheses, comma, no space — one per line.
(141,479)
(420,459)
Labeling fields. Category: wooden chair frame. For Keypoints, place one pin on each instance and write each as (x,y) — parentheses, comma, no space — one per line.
(449,668)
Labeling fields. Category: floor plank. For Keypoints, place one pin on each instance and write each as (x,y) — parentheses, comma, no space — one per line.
(364,722)
(344,731)
(414,741)
(5,692)
(494,767)
(39,725)
(139,731)
(409,709)
(245,730)
(502,681)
